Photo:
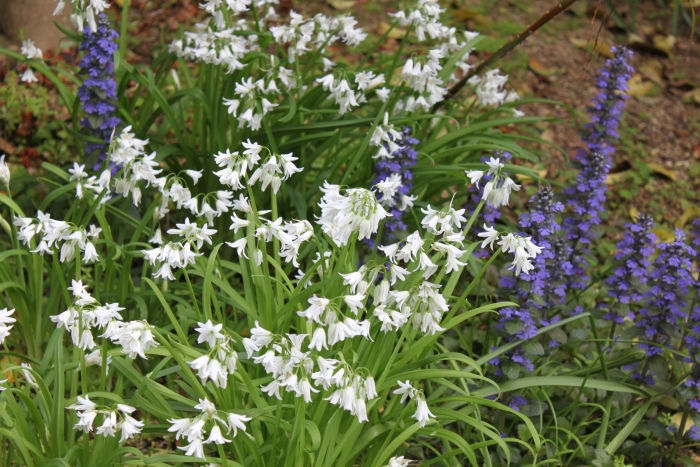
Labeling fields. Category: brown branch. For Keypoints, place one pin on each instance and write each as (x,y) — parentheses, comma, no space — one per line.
(544,19)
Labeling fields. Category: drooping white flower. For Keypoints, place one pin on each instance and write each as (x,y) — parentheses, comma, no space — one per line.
(4,172)
(356,211)
(489,235)
(5,323)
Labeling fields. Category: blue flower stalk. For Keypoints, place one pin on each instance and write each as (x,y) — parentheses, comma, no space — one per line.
(665,315)
(587,196)
(98,92)
(627,281)
(396,169)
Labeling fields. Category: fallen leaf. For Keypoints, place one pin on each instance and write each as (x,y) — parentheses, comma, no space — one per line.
(653,70)
(395,33)
(676,420)
(688,214)
(612,179)
(602,47)
(638,87)
(692,96)
(465,14)
(663,235)
(341,4)
(661,170)
(668,401)
(664,43)
(634,214)
(540,69)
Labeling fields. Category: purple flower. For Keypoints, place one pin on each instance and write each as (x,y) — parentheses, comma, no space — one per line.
(665,309)
(586,198)
(397,168)
(627,280)
(98,92)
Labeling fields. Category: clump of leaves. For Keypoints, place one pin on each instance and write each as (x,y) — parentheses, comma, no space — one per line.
(33,121)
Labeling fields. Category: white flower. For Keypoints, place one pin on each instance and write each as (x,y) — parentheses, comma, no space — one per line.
(235,422)
(4,172)
(209,333)
(423,413)
(398,461)
(489,235)
(405,390)
(474,176)
(109,425)
(30,50)
(356,211)
(129,427)
(215,436)
(195,448)
(5,320)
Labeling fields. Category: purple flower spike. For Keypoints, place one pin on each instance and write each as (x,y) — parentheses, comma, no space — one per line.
(626,280)
(587,196)
(98,92)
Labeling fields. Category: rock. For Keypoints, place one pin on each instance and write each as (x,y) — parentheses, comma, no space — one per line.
(32,19)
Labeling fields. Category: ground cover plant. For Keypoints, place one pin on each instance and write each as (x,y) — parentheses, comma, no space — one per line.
(282,244)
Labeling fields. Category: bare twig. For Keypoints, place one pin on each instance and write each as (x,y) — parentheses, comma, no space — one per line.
(544,19)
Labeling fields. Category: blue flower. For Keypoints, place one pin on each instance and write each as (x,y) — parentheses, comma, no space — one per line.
(98,93)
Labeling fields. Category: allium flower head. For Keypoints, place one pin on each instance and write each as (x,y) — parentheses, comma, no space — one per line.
(343,214)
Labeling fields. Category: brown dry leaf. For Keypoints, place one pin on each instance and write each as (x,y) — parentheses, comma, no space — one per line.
(664,43)
(120,3)
(688,214)
(612,179)
(692,96)
(653,70)
(638,87)
(396,33)
(602,47)
(524,178)
(540,69)
(661,170)
(341,4)
(465,14)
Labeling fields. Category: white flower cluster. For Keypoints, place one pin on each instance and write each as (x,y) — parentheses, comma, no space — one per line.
(83,11)
(522,248)
(220,361)
(113,420)
(254,98)
(178,254)
(217,47)
(490,88)
(86,314)
(194,428)
(5,323)
(30,51)
(275,169)
(317,34)
(54,234)
(356,211)
(421,74)
(348,98)
(294,370)
(329,316)
(497,190)
(385,138)
(291,235)
(407,391)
